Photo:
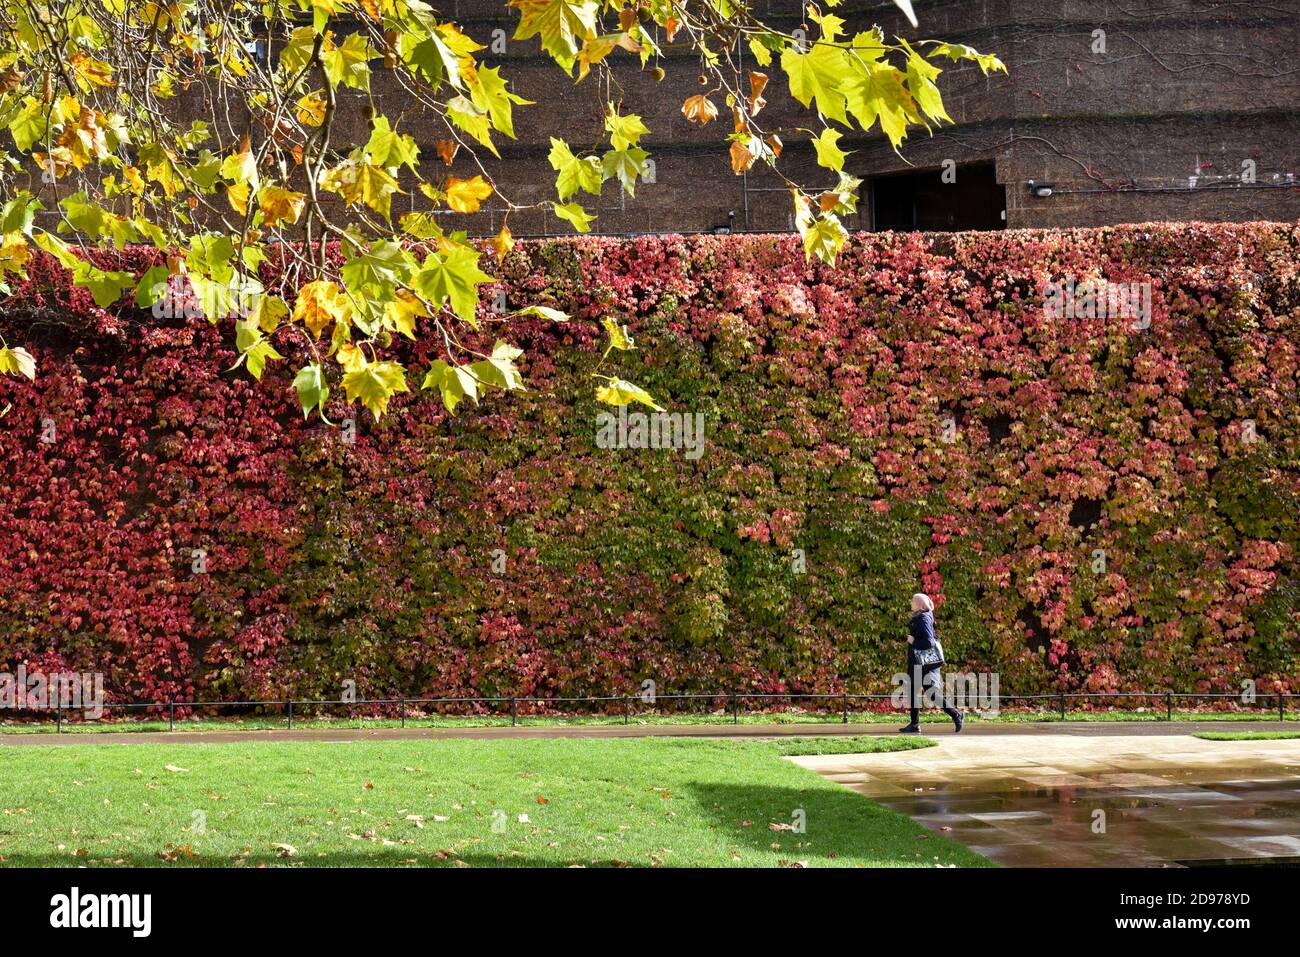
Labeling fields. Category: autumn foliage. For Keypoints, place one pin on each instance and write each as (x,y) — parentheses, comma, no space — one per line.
(1093,507)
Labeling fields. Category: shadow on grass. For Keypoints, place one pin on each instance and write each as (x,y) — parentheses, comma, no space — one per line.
(840,829)
(840,826)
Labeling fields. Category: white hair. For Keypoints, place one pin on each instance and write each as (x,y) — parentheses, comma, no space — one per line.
(924,600)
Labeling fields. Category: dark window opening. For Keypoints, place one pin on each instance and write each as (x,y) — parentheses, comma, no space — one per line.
(973,200)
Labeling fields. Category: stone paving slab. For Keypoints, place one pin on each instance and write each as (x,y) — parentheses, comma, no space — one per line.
(1038,800)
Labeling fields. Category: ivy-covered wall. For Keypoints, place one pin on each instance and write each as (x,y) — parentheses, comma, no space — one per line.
(1094,506)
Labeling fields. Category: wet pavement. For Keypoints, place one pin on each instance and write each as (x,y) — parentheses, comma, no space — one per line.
(1099,799)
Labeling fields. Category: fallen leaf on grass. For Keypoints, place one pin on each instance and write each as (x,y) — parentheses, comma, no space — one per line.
(175,770)
(174,852)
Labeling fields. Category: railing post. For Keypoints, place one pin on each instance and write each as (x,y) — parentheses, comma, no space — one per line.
(1169,706)
(1062,705)
(290,713)
(627,709)
(846,707)
(514,712)
(171,715)
(58,713)
(401,710)
(1281,706)
(735,710)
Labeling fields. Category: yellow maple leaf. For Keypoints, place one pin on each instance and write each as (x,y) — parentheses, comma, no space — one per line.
(402,312)
(14,252)
(17,362)
(503,242)
(320,303)
(86,140)
(362,182)
(464,195)
(131,176)
(94,72)
(374,384)
(311,109)
(594,49)
(241,166)
(350,357)
(237,195)
(280,205)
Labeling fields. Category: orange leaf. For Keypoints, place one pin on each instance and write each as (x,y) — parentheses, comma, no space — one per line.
(741,158)
(672,25)
(447,150)
(699,109)
(757,83)
(542,800)
(774,141)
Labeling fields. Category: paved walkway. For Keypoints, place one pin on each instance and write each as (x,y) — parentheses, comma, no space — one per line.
(943,730)
(1103,797)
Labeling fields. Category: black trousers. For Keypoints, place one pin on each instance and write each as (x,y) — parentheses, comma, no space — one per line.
(930,677)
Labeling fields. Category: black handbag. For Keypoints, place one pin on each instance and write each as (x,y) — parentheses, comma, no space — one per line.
(930,656)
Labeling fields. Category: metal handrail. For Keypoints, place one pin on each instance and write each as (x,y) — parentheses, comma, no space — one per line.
(733,701)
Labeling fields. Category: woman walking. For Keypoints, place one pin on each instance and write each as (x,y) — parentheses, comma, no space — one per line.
(924,659)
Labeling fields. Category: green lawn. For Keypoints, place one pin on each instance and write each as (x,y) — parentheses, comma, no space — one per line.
(1246,735)
(850,744)
(555,802)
